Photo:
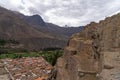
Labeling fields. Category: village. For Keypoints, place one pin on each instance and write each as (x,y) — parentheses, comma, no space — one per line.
(29,68)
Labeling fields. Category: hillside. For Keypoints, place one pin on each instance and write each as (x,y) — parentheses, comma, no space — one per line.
(13,27)
(92,54)
(65,31)
(37,22)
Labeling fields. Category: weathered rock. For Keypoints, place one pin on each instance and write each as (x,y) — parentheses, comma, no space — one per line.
(110,48)
(92,54)
(78,61)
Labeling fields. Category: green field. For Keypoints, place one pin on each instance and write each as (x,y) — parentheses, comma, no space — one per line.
(50,56)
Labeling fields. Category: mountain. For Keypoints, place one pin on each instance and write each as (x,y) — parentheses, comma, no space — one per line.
(14,27)
(66,31)
(92,54)
(36,21)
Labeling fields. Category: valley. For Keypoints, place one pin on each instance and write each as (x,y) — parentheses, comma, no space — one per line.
(34,48)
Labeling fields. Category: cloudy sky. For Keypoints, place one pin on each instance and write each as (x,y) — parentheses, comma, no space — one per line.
(65,12)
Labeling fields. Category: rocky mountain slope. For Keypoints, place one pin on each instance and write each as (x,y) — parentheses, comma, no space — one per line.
(37,22)
(92,54)
(64,31)
(13,27)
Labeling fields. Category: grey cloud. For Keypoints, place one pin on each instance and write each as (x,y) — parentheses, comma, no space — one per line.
(21,7)
(71,12)
(33,10)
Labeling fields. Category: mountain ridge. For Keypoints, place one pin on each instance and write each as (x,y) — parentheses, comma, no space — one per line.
(13,27)
(25,29)
(36,21)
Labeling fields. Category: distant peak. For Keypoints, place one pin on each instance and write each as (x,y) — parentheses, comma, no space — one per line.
(36,15)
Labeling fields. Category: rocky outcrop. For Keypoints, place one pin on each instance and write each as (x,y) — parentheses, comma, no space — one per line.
(79,62)
(110,48)
(92,54)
